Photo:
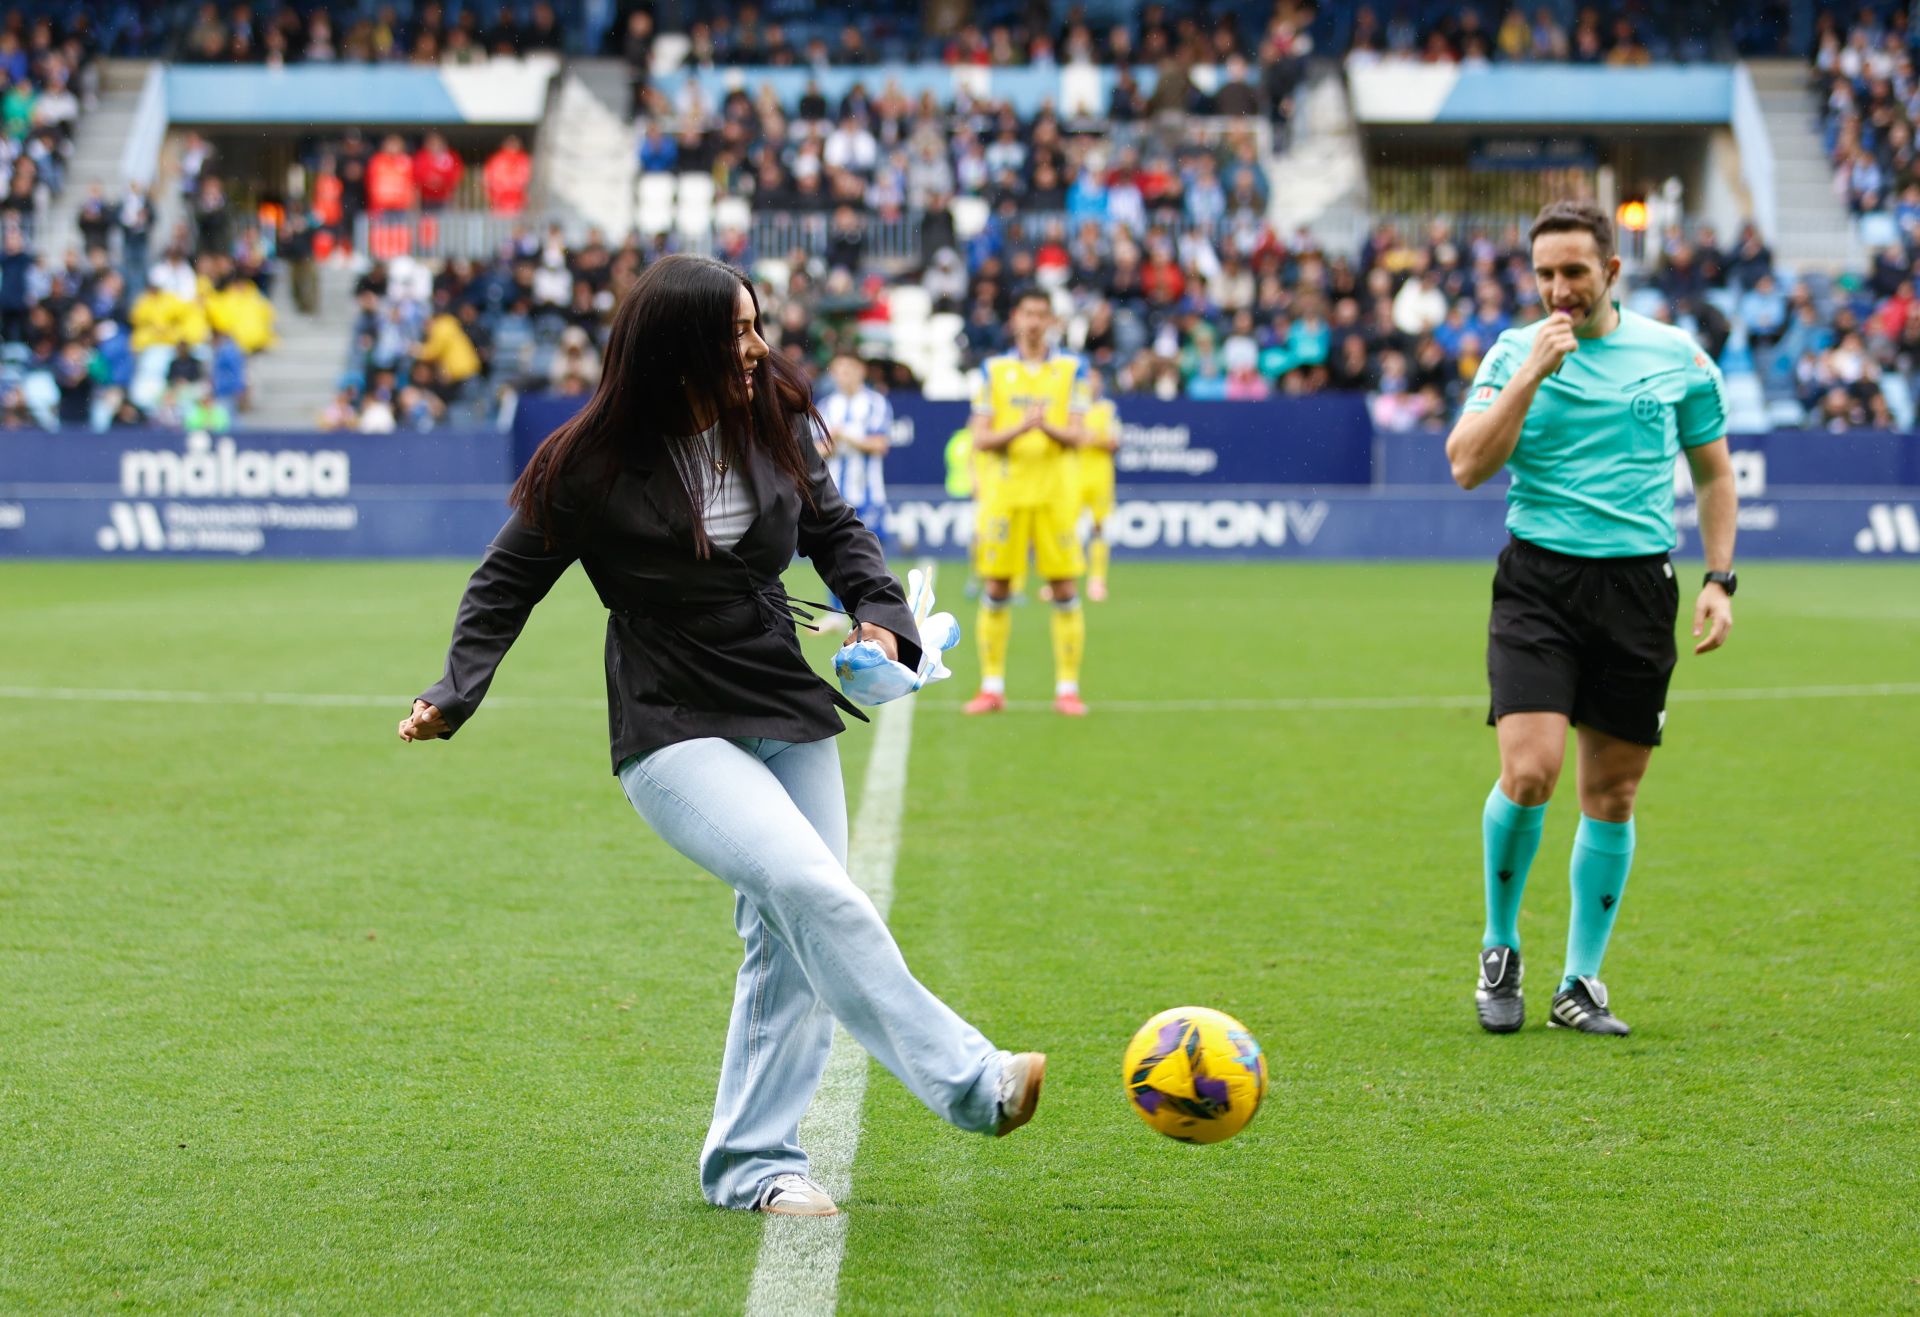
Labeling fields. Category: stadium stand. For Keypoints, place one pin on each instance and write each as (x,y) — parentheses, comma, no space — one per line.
(1189,184)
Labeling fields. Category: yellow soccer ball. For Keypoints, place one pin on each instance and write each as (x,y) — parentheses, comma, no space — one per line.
(1195,1074)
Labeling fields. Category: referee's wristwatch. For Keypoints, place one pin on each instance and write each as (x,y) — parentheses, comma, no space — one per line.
(1727,581)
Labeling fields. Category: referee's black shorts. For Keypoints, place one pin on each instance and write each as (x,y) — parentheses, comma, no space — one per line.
(1591,638)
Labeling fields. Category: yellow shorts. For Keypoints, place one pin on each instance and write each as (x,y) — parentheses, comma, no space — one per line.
(1003,535)
(1096,493)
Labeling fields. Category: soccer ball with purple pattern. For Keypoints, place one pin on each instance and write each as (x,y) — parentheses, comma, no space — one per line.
(1195,1074)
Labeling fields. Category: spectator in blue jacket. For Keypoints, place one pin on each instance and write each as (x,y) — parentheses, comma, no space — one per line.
(229,372)
(658,152)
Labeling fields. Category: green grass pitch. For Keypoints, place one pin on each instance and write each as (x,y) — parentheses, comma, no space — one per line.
(296,1019)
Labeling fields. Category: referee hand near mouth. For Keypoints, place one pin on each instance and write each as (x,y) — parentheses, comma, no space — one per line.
(1588,410)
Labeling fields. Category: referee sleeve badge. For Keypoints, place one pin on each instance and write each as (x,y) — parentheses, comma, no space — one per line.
(1485,393)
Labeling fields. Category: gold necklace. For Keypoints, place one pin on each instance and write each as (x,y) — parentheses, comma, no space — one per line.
(710,444)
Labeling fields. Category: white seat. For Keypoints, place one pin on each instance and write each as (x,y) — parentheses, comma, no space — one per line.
(652,219)
(909,302)
(655,191)
(698,189)
(732,214)
(1080,91)
(693,216)
(969,216)
(945,385)
(773,272)
(945,327)
(669,52)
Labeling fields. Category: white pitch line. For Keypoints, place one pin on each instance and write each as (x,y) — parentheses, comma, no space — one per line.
(798,1270)
(1278,704)
(297,699)
(1362,703)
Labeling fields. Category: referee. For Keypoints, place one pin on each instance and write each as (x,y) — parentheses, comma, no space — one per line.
(1587,409)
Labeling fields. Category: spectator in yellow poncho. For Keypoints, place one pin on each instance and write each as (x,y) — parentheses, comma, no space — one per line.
(162,319)
(450,353)
(241,312)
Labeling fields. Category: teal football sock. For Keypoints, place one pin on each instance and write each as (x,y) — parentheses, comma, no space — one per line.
(1511,834)
(1602,854)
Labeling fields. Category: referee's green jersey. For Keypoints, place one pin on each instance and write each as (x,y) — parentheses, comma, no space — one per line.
(1593,469)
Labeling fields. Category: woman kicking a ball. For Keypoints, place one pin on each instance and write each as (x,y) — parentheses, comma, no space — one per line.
(685,488)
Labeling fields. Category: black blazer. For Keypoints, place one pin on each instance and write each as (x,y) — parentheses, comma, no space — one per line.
(695,647)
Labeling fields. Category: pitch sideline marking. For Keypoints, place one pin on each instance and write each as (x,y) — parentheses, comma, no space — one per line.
(1280,704)
(798,1270)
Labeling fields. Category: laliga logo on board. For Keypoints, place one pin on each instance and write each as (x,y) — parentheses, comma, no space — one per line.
(225,470)
(1890,528)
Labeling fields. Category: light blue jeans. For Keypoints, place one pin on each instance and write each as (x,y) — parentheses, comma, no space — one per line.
(769,818)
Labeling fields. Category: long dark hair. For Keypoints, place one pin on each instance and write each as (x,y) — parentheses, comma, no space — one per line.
(672,368)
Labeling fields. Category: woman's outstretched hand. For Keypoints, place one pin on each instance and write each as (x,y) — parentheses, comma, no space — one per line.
(423,724)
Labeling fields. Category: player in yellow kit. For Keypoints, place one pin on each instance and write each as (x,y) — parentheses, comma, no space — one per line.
(1096,482)
(1029,409)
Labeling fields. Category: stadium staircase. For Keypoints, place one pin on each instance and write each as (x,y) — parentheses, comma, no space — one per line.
(1319,180)
(99,153)
(291,382)
(585,157)
(1815,232)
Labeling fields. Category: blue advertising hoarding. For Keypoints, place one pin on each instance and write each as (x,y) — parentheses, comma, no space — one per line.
(1196,479)
(272,495)
(1326,439)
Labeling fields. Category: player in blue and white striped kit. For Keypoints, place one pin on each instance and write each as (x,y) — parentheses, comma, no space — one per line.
(859,432)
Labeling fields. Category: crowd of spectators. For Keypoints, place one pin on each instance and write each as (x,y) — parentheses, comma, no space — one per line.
(283,34)
(117,334)
(1841,344)
(888,155)
(1161,312)
(352,175)
(1255,73)
(94,348)
(434,347)
(1464,36)
(48,311)
(1864,75)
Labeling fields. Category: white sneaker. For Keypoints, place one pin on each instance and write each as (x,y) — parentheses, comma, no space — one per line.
(794,1195)
(1019,1090)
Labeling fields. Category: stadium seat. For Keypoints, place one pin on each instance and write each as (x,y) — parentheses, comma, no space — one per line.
(655,191)
(150,376)
(696,190)
(1893,386)
(694,211)
(732,214)
(947,384)
(1081,91)
(1645,301)
(42,397)
(773,272)
(1786,414)
(653,208)
(669,53)
(910,302)
(1878,230)
(969,216)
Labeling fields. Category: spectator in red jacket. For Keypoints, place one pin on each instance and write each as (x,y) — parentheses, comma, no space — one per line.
(508,173)
(390,181)
(437,172)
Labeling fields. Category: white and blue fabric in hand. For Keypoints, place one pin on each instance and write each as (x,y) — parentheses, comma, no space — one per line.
(869,677)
